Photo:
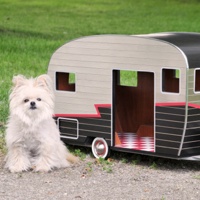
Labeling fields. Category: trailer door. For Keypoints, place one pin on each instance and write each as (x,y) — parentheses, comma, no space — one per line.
(133,110)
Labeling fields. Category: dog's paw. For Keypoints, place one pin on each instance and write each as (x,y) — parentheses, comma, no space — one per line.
(17,169)
(16,166)
(41,168)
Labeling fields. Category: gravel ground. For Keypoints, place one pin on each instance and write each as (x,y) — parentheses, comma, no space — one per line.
(150,179)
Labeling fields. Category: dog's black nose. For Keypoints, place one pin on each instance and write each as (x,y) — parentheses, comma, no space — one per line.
(32,103)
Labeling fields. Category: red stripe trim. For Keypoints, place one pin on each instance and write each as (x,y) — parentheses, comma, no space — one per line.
(171,104)
(97,115)
(178,104)
(194,105)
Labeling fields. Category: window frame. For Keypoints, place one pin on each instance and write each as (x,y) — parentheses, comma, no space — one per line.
(162,81)
(69,87)
(194,86)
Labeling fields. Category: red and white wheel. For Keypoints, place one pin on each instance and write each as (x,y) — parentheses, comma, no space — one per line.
(100,148)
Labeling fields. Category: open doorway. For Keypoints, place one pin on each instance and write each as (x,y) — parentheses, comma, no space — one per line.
(133,110)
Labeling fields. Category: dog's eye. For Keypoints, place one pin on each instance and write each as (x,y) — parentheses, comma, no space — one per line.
(26,100)
(39,99)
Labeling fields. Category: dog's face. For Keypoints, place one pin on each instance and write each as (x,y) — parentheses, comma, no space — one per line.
(32,98)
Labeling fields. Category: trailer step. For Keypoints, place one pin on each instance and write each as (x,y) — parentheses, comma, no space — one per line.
(132,141)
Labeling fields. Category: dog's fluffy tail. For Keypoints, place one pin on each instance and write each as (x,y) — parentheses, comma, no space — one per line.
(71,158)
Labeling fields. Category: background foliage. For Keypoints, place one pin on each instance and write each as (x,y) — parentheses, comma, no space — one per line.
(30,31)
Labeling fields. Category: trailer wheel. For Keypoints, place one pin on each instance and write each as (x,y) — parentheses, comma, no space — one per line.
(100,148)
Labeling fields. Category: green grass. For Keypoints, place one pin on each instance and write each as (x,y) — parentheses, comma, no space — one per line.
(30,31)
(2,140)
(128,78)
(106,165)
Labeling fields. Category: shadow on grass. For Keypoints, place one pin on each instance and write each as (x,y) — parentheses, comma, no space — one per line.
(156,163)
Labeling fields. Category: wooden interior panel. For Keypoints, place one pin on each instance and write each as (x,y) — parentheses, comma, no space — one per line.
(197,80)
(117,140)
(170,82)
(145,131)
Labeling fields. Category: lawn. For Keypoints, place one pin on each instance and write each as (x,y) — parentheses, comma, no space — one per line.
(30,31)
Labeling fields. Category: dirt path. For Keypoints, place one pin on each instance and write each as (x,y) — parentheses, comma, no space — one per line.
(148,180)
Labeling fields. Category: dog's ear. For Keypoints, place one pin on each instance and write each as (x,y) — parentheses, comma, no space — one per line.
(44,81)
(18,80)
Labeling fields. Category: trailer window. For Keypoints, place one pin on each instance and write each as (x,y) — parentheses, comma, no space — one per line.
(127,78)
(65,81)
(197,80)
(170,80)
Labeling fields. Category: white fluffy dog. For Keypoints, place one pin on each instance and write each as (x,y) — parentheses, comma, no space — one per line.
(32,137)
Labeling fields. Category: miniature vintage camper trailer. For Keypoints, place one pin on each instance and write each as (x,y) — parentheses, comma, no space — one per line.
(157,115)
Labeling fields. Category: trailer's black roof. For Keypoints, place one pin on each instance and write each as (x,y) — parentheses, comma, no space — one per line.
(189,43)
